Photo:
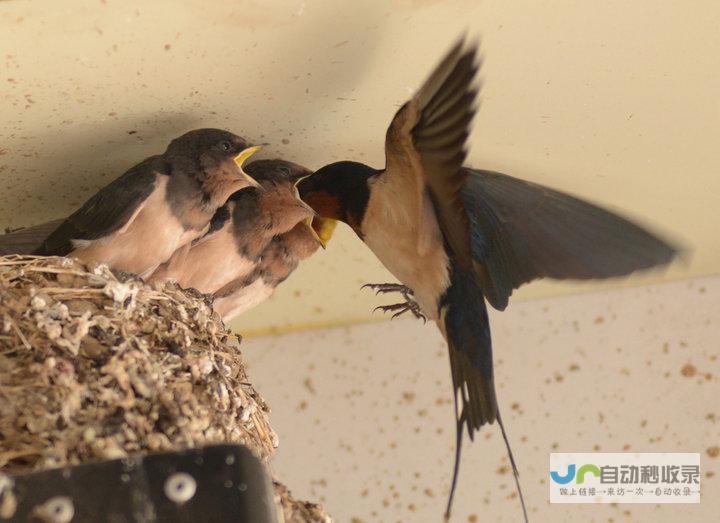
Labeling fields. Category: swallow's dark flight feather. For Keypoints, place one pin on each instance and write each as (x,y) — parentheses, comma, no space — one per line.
(456,236)
(137,221)
(27,239)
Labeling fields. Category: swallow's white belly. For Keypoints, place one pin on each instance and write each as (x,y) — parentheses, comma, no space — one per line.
(243,299)
(209,265)
(421,264)
(149,238)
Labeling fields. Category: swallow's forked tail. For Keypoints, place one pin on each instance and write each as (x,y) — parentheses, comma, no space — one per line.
(465,324)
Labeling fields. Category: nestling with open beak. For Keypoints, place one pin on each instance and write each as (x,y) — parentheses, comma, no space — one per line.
(140,219)
(258,228)
(458,236)
(279,259)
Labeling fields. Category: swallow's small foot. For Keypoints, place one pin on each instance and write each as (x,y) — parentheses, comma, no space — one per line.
(383,288)
(413,307)
(401,308)
(410,305)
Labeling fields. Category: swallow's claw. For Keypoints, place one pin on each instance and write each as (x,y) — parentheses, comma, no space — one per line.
(397,308)
(416,310)
(390,308)
(401,308)
(388,287)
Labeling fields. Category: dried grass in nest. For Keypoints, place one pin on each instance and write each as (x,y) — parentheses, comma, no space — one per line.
(298,511)
(96,366)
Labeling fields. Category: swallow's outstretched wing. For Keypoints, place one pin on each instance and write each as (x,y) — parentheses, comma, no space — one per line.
(426,140)
(522,231)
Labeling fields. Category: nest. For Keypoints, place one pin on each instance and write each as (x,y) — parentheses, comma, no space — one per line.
(95,365)
(298,511)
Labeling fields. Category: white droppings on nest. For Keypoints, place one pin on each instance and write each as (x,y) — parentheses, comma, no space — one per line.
(95,367)
(201,367)
(38,302)
(122,292)
(247,412)
(222,397)
(59,326)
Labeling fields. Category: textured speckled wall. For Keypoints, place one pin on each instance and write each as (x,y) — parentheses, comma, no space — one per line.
(364,413)
(616,101)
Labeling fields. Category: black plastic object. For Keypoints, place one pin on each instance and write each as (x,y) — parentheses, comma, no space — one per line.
(224,483)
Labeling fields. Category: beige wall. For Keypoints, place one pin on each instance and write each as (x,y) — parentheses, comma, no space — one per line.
(616,101)
(364,413)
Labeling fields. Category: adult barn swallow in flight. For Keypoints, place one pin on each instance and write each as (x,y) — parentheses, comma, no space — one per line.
(253,235)
(457,236)
(137,221)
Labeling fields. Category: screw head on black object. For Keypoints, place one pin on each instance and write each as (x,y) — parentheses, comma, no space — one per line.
(180,487)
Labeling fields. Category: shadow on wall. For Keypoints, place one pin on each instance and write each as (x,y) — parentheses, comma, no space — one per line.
(57,169)
(86,158)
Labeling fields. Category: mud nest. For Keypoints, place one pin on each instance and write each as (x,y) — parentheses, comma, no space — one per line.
(95,365)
